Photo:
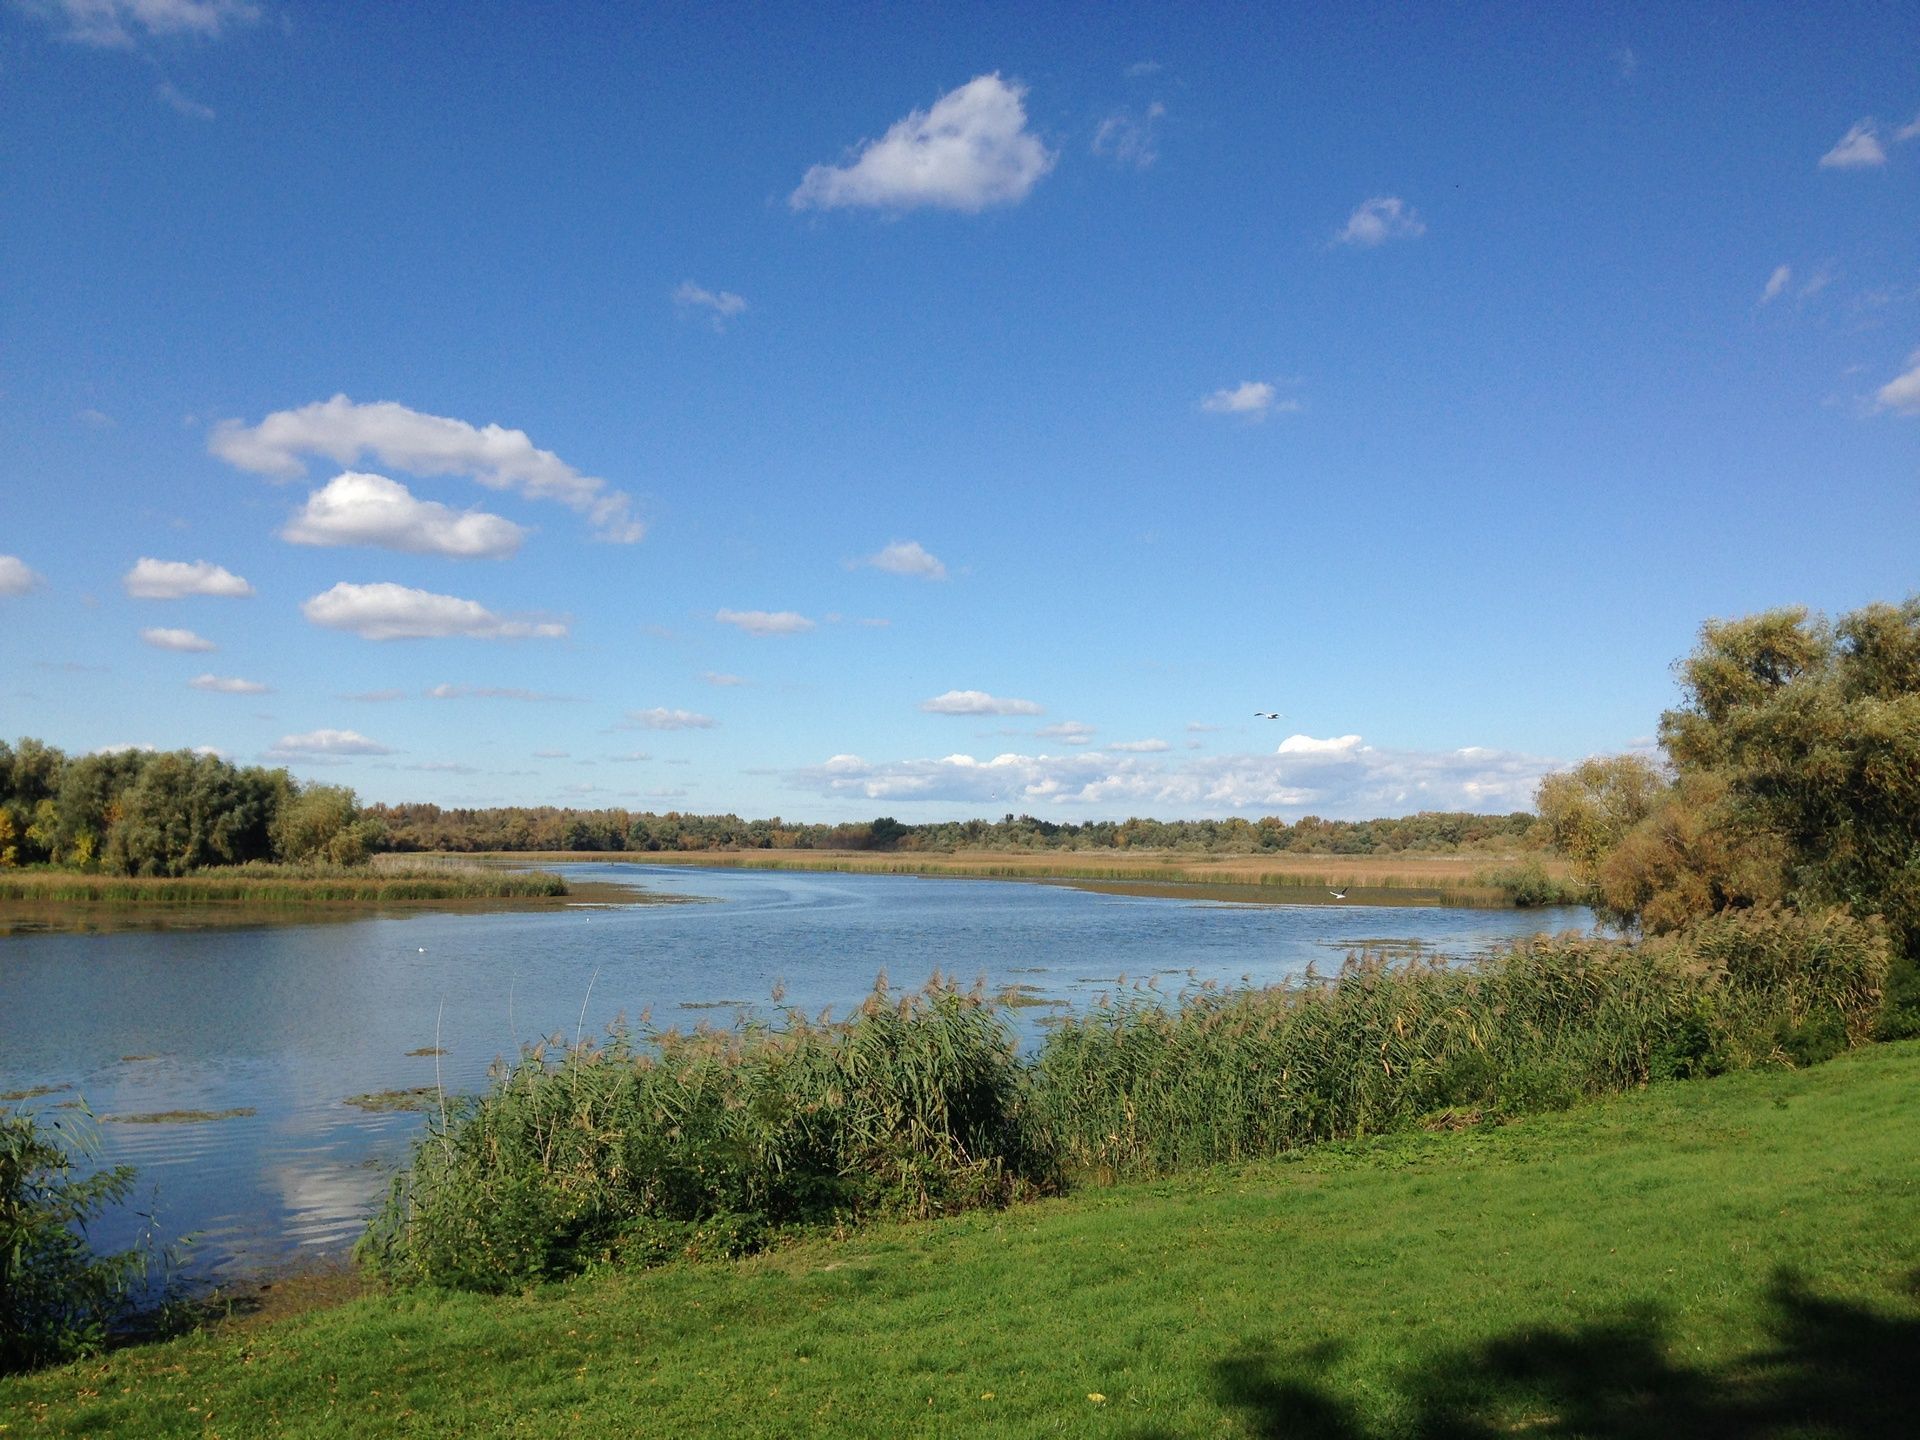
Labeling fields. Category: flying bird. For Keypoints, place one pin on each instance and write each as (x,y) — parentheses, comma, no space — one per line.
(1268,715)
(1339,894)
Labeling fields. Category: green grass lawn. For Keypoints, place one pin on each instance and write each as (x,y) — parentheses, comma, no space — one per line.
(1725,1258)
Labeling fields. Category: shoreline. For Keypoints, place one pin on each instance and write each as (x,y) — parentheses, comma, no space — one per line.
(1456,881)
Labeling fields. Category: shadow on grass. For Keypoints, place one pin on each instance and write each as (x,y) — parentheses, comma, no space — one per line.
(1832,1369)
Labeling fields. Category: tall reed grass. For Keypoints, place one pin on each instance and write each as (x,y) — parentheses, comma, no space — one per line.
(282,885)
(640,1149)
(710,1139)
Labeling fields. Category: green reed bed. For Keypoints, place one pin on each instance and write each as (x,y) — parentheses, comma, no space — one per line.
(707,1141)
(712,1142)
(1139,1088)
(282,885)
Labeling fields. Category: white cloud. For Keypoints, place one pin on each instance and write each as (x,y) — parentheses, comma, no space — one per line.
(1142,68)
(360,509)
(971,150)
(1902,393)
(1307,745)
(386,611)
(376,697)
(1858,149)
(326,743)
(1909,131)
(1252,399)
(723,305)
(95,419)
(421,444)
(977,702)
(661,718)
(1068,732)
(718,678)
(182,640)
(1782,277)
(1383,218)
(1127,139)
(489,692)
(1351,781)
(908,557)
(1625,62)
(229,685)
(173,579)
(1139,747)
(113,23)
(169,94)
(765,622)
(17,577)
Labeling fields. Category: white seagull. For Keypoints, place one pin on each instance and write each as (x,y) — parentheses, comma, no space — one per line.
(1339,894)
(1268,715)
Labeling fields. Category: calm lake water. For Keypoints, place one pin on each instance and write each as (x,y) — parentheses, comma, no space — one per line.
(291,1020)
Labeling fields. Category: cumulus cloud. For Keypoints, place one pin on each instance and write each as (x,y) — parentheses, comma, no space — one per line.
(1307,745)
(978,702)
(1778,281)
(1902,393)
(16,576)
(184,641)
(1139,747)
(908,557)
(360,509)
(229,685)
(971,150)
(116,24)
(1909,131)
(720,305)
(325,744)
(765,622)
(1383,218)
(661,718)
(1251,399)
(385,611)
(1858,149)
(421,444)
(1130,139)
(174,579)
(1339,781)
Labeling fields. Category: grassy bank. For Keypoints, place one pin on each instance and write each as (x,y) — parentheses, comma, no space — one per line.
(53,898)
(1729,1257)
(1465,880)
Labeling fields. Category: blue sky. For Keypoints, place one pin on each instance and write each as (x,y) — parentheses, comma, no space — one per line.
(938,412)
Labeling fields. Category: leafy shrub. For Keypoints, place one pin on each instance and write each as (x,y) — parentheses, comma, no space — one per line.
(58,1299)
(1528,886)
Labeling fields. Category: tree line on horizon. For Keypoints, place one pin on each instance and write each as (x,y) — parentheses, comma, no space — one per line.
(416,827)
(171,812)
